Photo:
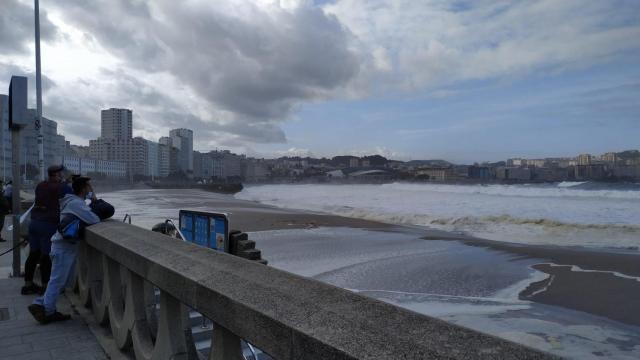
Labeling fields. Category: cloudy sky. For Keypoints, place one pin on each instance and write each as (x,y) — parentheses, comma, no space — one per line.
(460,80)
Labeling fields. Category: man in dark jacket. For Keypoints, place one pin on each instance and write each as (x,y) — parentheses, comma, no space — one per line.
(64,250)
(44,222)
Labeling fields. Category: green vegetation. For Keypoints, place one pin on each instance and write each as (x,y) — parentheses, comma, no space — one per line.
(628,154)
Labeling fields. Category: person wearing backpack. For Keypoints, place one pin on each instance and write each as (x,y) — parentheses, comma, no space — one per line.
(74,215)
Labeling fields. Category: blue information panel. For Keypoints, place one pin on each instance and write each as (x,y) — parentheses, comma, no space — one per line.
(205,229)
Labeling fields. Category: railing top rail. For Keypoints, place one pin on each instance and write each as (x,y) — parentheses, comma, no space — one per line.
(286,315)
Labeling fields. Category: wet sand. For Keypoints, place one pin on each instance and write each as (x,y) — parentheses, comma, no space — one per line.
(598,293)
(604,282)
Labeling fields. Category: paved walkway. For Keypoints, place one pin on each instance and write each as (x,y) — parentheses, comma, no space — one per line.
(21,337)
(5,261)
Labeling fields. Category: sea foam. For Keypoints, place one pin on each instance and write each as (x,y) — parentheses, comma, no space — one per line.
(561,214)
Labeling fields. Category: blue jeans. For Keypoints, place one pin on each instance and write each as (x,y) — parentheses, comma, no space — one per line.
(40,233)
(63,259)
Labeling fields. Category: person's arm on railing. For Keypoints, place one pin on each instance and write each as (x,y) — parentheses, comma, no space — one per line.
(83,212)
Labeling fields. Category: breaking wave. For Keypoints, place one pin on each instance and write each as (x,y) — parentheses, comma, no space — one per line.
(560,190)
(557,214)
(541,222)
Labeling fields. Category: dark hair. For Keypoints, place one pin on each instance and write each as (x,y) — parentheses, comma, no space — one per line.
(79,184)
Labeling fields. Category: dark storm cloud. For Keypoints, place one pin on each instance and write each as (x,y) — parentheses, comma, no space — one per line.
(262,67)
(153,106)
(257,66)
(16,27)
(8,69)
(154,112)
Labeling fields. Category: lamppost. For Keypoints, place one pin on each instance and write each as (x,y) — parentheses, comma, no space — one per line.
(38,124)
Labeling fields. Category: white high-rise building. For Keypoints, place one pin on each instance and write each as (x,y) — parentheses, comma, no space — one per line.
(116,124)
(164,160)
(182,139)
(153,165)
(116,139)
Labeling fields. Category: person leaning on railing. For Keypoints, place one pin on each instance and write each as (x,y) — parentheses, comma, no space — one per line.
(75,214)
(44,222)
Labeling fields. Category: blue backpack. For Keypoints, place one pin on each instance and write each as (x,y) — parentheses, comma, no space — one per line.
(70,226)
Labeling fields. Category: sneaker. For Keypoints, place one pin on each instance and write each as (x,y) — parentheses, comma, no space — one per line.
(56,316)
(31,289)
(38,313)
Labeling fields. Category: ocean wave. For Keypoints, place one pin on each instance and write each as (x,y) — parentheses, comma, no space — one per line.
(566,184)
(534,219)
(470,220)
(535,191)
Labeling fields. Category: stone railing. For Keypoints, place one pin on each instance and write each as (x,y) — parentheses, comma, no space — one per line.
(122,267)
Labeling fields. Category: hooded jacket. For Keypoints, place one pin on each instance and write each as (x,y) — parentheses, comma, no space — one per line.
(75,205)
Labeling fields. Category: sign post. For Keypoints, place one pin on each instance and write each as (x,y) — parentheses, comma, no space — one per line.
(206,229)
(17,120)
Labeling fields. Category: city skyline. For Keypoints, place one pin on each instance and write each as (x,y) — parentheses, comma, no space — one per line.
(125,124)
(453,88)
(118,154)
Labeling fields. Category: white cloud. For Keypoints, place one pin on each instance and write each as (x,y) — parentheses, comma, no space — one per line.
(431,43)
(235,71)
(295,152)
(378,150)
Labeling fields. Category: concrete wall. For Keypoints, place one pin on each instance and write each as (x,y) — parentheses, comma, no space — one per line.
(285,315)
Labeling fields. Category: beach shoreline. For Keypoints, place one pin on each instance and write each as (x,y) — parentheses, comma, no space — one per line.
(613,302)
(603,282)
(607,294)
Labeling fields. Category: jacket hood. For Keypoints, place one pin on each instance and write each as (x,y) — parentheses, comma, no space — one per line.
(69,198)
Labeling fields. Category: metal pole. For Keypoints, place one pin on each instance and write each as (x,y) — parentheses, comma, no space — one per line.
(15,143)
(38,124)
(2,142)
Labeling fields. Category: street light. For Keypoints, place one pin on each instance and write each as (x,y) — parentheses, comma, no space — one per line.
(38,124)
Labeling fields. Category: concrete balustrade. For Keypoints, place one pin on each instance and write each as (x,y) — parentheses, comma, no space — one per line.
(287,316)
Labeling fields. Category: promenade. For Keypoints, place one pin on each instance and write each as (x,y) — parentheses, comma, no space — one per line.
(21,337)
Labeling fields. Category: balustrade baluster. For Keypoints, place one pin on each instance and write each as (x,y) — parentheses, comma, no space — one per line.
(100,292)
(174,331)
(225,345)
(121,317)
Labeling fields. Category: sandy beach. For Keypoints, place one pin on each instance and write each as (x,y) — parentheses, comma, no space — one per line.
(598,281)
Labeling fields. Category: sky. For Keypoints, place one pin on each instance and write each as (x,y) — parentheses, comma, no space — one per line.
(460,80)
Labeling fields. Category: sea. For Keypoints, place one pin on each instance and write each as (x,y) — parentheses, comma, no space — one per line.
(471,286)
(568,213)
